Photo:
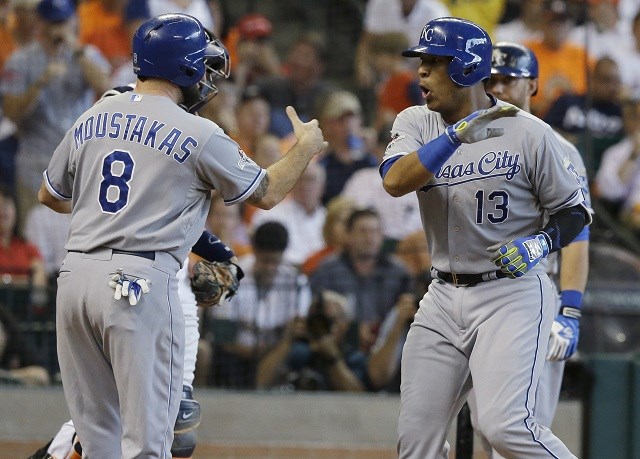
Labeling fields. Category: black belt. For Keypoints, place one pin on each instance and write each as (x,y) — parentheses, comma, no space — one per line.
(147,255)
(468,280)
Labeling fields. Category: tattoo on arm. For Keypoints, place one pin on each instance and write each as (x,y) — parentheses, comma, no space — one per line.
(260,191)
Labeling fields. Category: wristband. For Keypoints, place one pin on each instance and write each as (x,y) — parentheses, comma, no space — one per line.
(211,248)
(571,298)
(435,153)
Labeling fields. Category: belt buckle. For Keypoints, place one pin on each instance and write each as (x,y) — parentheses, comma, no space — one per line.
(454,276)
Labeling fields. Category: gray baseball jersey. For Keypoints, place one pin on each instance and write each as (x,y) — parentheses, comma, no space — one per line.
(139,171)
(488,192)
(146,154)
(492,335)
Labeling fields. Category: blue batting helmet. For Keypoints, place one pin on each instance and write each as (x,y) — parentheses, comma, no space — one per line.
(467,43)
(177,48)
(512,59)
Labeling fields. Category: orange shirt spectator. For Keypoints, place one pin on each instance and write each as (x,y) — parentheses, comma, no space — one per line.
(562,71)
(101,24)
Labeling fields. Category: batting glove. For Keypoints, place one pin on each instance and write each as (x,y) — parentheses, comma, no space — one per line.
(474,128)
(128,286)
(517,257)
(565,330)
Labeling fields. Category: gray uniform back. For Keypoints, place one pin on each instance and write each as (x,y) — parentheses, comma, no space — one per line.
(140,169)
(488,192)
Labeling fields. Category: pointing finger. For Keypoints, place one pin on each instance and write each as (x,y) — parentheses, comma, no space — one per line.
(293,116)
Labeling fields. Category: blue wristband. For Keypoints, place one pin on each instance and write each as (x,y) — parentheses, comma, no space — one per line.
(211,248)
(435,153)
(571,298)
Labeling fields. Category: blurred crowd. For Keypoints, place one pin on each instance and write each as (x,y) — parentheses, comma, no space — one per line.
(335,272)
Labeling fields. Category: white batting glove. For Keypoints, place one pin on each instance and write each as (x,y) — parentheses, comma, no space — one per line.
(128,286)
(474,128)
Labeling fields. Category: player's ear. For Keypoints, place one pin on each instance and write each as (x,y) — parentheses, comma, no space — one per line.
(533,86)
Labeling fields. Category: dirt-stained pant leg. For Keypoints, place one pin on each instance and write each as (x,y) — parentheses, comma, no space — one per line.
(121,365)
(434,377)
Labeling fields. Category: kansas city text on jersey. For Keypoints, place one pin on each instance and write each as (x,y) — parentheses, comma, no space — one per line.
(490,163)
(136,128)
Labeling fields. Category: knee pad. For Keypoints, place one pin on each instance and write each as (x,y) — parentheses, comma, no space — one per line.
(188,415)
(184,444)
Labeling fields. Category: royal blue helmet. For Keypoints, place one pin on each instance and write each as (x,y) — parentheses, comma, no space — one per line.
(177,48)
(467,43)
(512,59)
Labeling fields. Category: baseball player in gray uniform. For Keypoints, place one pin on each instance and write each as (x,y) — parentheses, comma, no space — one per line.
(136,171)
(514,79)
(486,174)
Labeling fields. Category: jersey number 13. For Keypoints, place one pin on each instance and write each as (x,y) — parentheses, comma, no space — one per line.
(496,209)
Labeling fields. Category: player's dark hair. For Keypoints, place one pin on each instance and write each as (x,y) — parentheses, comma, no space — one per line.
(271,237)
(358,214)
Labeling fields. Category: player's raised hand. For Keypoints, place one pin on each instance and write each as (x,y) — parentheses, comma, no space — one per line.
(308,134)
(517,257)
(474,128)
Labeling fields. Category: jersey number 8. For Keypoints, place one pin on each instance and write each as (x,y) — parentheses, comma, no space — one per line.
(117,171)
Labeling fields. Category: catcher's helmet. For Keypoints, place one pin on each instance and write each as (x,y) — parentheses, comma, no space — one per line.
(466,42)
(512,59)
(177,48)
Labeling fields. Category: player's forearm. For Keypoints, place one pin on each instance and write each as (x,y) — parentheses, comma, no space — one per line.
(407,174)
(62,207)
(283,175)
(574,268)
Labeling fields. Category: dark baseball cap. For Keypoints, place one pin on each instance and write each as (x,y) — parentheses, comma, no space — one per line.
(56,10)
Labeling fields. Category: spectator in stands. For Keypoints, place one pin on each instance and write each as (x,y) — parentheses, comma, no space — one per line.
(26,25)
(564,64)
(341,123)
(208,12)
(21,266)
(400,216)
(19,362)
(314,352)
(272,294)
(333,231)
(391,16)
(226,223)
(383,365)
(486,13)
(596,116)
(370,280)
(603,30)
(527,26)
(253,55)
(48,230)
(617,183)
(302,214)
(222,108)
(629,58)
(45,87)
(302,86)
(101,23)
(398,88)
(252,119)
(18,27)
(19,260)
